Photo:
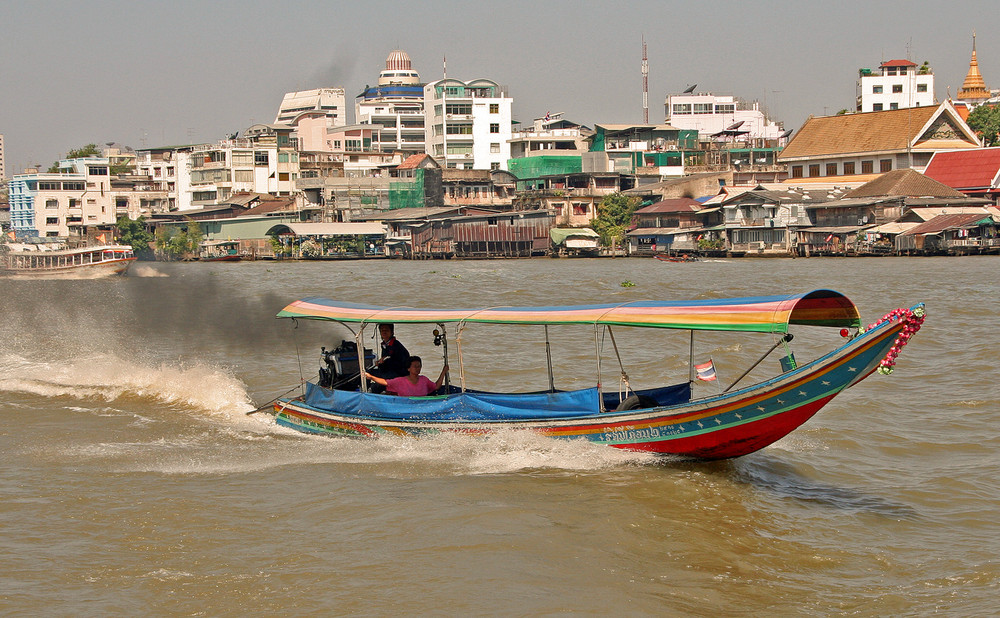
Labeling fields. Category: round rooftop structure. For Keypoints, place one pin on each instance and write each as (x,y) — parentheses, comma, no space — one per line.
(398,60)
(398,70)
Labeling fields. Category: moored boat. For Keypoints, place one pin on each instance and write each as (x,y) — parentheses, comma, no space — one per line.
(220,251)
(39,262)
(665,420)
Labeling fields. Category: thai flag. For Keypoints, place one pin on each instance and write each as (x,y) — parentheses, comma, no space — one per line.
(706,371)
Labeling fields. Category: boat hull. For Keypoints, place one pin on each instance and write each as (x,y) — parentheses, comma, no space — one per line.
(720,427)
(100,270)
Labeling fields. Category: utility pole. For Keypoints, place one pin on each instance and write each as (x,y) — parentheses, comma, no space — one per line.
(645,84)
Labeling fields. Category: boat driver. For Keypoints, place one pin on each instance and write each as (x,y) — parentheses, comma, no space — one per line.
(394,360)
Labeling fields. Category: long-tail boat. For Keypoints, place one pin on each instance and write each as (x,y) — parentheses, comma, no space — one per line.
(729,423)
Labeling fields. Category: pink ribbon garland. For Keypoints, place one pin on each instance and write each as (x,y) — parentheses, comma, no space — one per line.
(912,320)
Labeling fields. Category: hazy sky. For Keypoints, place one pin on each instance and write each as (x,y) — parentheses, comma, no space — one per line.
(172,72)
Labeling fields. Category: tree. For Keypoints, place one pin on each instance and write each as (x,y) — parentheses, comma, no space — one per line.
(134,233)
(179,243)
(90,150)
(614,217)
(985,121)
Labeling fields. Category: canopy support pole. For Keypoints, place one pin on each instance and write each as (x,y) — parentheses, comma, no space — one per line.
(621,365)
(597,347)
(359,342)
(444,342)
(548,359)
(461,359)
(785,339)
(691,359)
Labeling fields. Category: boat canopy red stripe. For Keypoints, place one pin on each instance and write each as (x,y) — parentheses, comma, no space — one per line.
(756,314)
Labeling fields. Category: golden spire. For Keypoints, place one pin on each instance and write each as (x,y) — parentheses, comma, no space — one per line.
(973,87)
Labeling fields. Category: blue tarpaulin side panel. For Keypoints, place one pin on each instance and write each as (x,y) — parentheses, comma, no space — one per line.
(467,406)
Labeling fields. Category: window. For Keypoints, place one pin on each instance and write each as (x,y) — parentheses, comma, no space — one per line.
(885,165)
(849,168)
(921,87)
(260,157)
(51,220)
(94,170)
(579,208)
(831,169)
(897,88)
(52,203)
(494,166)
(494,127)
(867,167)
(894,106)
(682,109)
(796,171)
(494,108)
(876,89)
(877,107)
(703,108)
(495,147)
(243,175)
(726,108)
(48,186)
(282,176)
(814,170)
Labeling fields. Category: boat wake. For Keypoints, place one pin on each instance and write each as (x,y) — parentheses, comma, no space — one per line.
(108,378)
(143,270)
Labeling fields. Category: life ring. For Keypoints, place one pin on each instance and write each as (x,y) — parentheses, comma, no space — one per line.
(637,402)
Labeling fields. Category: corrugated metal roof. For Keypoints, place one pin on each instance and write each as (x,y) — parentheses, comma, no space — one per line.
(967,169)
(945,222)
(336,229)
(680,204)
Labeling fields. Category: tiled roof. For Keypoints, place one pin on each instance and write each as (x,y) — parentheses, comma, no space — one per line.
(885,131)
(907,182)
(412,162)
(898,63)
(680,204)
(967,169)
(945,222)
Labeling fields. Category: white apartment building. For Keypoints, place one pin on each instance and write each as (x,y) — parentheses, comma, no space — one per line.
(395,106)
(329,101)
(264,160)
(711,114)
(63,204)
(164,189)
(897,84)
(468,124)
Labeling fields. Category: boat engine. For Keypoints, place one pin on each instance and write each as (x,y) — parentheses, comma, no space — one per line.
(339,366)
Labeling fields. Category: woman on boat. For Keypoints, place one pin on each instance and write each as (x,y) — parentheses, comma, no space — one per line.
(413,384)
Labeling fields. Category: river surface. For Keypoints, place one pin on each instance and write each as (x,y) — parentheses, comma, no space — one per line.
(133,481)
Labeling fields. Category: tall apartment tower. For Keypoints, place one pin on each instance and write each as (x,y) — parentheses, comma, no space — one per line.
(395,107)
(468,124)
(897,84)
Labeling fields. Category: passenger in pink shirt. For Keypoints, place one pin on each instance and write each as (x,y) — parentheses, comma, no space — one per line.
(413,384)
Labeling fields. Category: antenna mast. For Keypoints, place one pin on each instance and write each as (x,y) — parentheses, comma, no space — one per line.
(645,84)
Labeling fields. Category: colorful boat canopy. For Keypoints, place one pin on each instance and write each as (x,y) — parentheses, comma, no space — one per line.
(766,314)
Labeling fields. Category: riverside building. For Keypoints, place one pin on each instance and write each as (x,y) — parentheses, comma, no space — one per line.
(394,107)
(468,124)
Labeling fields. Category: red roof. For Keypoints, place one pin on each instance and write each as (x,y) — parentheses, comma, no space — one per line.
(898,63)
(412,162)
(679,204)
(946,222)
(966,169)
